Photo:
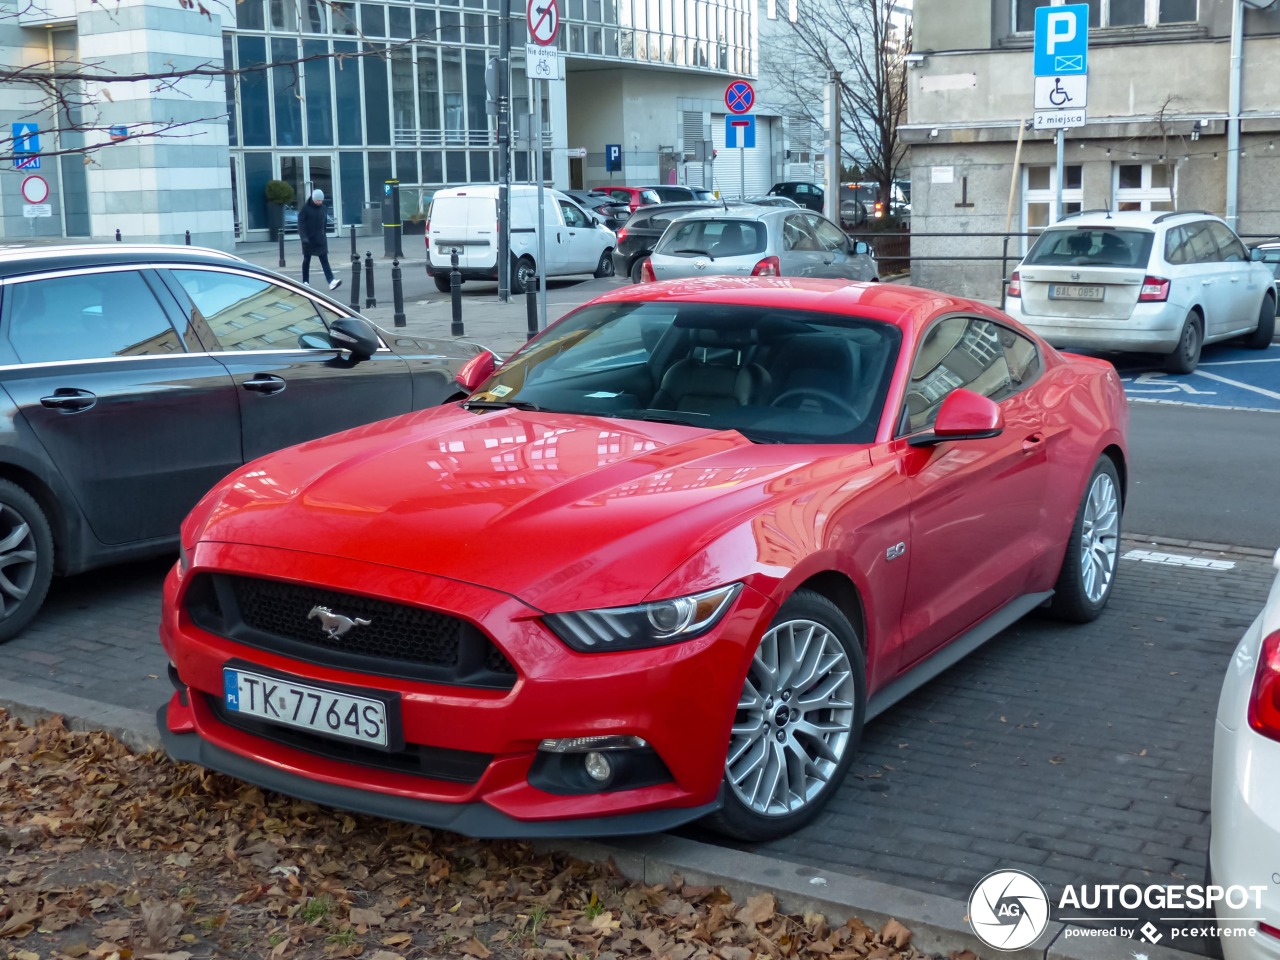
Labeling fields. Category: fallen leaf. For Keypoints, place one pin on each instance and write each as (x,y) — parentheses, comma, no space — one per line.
(895,933)
(758,909)
(476,949)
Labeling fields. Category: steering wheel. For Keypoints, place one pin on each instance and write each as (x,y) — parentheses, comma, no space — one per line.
(825,397)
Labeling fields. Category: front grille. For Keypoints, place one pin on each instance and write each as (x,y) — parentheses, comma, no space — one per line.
(389,639)
(456,766)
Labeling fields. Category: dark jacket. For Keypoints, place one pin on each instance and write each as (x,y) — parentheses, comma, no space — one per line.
(311,228)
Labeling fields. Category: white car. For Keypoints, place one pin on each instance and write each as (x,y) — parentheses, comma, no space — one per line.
(1244,846)
(1140,281)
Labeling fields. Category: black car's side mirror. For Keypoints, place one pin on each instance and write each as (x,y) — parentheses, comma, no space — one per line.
(355,335)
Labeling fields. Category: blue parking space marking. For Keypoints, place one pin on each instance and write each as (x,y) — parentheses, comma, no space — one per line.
(1227,377)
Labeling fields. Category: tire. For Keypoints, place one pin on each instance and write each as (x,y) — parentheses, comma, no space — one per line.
(1089,565)
(522,277)
(605,267)
(635,271)
(768,730)
(1260,339)
(1186,355)
(442,282)
(26,559)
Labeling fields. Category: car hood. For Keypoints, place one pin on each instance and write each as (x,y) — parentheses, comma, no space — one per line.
(548,507)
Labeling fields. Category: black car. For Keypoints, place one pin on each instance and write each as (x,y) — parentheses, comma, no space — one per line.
(134,378)
(611,213)
(291,219)
(637,239)
(675,193)
(803,192)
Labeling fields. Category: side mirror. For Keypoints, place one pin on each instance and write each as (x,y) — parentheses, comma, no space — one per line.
(1255,254)
(355,335)
(861,246)
(476,371)
(964,415)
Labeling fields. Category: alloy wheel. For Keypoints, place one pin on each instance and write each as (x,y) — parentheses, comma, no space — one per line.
(794,719)
(17,559)
(1099,537)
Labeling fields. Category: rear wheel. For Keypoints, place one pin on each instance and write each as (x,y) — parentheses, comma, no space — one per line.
(1186,355)
(523,276)
(798,721)
(26,559)
(1089,566)
(605,267)
(1260,339)
(635,272)
(442,282)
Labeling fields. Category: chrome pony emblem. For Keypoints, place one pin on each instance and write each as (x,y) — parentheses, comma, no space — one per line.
(335,624)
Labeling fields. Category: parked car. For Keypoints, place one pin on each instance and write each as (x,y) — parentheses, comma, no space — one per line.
(803,192)
(608,211)
(637,238)
(133,378)
(758,242)
(768,201)
(1244,843)
(1149,282)
(466,219)
(291,219)
(659,566)
(678,193)
(633,197)
(1267,252)
(857,204)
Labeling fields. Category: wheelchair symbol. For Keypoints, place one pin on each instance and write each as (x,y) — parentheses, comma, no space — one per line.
(1058,96)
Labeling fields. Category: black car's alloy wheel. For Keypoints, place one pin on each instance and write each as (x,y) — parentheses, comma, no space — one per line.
(26,558)
(798,721)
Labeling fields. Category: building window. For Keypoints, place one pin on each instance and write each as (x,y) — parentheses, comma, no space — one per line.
(1115,13)
(1039,197)
(1143,186)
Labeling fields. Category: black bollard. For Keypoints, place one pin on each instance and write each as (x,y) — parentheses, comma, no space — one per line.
(117,234)
(354,254)
(369,299)
(188,238)
(355,281)
(281,246)
(455,295)
(397,294)
(531,309)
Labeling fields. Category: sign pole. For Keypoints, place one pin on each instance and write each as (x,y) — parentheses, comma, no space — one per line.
(504,152)
(542,216)
(1058,199)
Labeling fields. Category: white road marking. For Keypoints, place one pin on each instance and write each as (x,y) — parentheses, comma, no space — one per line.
(1155,383)
(1179,560)
(1236,383)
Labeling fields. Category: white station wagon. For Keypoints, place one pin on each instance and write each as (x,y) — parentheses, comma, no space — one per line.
(1146,282)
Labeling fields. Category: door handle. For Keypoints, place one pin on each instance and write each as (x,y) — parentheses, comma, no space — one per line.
(69,400)
(1235,279)
(1206,283)
(827,263)
(1032,442)
(264,383)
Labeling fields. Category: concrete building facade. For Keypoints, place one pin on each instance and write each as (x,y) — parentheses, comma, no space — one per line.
(1155,136)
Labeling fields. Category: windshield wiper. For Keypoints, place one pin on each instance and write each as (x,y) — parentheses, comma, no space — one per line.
(499,405)
(691,250)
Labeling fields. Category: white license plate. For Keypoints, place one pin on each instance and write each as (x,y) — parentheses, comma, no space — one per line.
(1064,291)
(322,710)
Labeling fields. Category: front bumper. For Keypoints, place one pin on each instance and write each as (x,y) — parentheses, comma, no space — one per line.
(680,699)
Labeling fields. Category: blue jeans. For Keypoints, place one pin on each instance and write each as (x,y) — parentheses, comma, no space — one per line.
(323,257)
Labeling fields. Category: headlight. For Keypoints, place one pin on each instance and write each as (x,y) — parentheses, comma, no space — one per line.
(645,625)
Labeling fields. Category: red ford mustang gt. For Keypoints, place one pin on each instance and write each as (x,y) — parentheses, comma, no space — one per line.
(663,564)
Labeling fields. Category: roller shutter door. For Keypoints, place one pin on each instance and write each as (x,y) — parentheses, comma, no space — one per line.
(753,168)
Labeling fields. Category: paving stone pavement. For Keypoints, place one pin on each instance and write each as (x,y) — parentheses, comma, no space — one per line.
(1079,753)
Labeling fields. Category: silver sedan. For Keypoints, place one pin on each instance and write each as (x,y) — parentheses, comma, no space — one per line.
(768,242)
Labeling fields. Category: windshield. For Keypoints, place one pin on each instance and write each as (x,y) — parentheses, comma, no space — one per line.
(1096,246)
(776,376)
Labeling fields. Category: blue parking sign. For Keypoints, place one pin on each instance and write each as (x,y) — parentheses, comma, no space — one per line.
(612,157)
(1062,40)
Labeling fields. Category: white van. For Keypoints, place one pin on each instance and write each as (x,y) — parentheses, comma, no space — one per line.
(466,219)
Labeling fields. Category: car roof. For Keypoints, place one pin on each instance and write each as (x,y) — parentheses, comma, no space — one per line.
(740,211)
(906,307)
(1149,219)
(22,260)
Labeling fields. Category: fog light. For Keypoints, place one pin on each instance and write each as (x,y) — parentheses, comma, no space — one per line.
(598,767)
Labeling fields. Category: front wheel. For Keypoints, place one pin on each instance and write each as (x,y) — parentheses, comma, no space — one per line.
(1186,355)
(1261,338)
(798,721)
(1089,566)
(605,267)
(26,559)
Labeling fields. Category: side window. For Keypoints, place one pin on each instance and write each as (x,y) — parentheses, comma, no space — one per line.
(828,234)
(88,316)
(956,352)
(797,235)
(572,215)
(1175,246)
(1200,242)
(1022,357)
(1229,245)
(231,311)
(656,224)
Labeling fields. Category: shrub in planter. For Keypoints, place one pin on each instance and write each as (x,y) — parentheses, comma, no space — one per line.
(278,194)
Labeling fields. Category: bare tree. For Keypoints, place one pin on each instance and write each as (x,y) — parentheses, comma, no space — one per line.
(864,40)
